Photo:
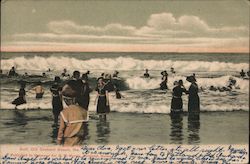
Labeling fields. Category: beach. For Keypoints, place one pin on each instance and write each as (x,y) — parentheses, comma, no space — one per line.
(143,116)
(35,127)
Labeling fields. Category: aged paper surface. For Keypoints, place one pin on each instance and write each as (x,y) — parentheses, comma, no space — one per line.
(145,49)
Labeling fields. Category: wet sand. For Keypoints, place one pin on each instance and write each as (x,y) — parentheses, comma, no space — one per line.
(35,127)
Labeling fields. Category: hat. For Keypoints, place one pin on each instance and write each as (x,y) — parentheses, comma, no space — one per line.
(191,79)
(163,72)
(100,78)
(70,89)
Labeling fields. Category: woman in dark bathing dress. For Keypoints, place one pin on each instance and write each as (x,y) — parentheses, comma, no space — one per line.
(176,103)
(193,98)
(103,98)
(56,99)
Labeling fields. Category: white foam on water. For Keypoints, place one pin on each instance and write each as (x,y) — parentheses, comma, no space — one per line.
(119,63)
(133,108)
(144,83)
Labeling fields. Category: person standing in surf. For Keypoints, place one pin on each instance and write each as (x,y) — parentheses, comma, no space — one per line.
(164,82)
(39,90)
(103,99)
(84,94)
(79,85)
(176,102)
(57,105)
(21,95)
(73,118)
(193,98)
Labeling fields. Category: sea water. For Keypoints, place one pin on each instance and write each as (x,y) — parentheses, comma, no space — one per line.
(144,112)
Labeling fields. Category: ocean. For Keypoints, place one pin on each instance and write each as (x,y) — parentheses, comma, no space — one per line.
(142,117)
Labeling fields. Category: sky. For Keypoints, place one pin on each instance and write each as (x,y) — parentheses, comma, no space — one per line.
(125,25)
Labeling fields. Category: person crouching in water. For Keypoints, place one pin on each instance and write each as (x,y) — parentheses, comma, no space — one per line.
(72,118)
(39,90)
(21,95)
(176,103)
(56,90)
(103,99)
(118,95)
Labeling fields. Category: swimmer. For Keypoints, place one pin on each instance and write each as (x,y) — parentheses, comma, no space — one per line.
(39,90)
(242,73)
(146,74)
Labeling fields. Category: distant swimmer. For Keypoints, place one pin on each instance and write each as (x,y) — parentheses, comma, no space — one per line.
(44,74)
(172,70)
(12,72)
(212,88)
(39,90)
(146,74)
(25,74)
(57,106)
(176,102)
(231,82)
(115,74)
(65,74)
(229,86)
(21,95)
(242,73)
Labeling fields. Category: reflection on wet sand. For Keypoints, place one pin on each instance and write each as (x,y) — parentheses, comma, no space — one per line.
(193,128)
(54,133)
(102,131)
(19,120)
(176,135)
(86,136)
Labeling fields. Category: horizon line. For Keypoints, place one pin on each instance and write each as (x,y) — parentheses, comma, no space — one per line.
(177,52)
